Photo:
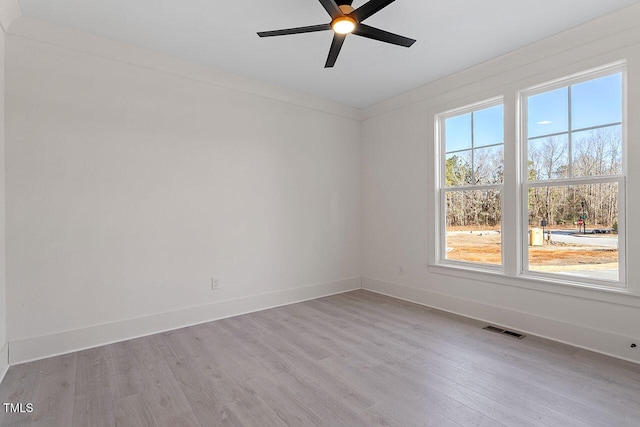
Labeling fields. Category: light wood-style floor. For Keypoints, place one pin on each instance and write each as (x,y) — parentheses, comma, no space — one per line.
(355,359)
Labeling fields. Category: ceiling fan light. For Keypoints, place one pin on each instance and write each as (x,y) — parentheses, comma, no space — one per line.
(343,25)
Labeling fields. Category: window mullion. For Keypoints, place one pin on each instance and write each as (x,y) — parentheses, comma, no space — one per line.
(510,223)
(570,130)
(473,153)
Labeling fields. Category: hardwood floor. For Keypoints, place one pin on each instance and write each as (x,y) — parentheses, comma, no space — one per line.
(355,359)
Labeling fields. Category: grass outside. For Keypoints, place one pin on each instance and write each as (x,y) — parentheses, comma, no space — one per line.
(473,245)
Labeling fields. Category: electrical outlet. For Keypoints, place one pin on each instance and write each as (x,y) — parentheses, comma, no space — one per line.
(215,284)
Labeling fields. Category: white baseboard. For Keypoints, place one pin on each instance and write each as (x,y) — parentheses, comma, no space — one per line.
(591,339)
(4,361)
(66,342)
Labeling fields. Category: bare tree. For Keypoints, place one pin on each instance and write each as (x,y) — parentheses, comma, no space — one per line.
(594,153)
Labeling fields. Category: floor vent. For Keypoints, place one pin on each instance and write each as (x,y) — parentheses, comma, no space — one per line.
(504,332)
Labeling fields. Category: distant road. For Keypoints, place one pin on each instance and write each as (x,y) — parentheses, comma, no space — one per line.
(571,236)
(564,236)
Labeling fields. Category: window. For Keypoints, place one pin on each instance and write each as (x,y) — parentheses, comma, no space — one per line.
(472,173)
(567,170)
(573,177)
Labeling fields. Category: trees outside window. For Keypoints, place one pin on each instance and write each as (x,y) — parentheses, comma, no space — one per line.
(473,172)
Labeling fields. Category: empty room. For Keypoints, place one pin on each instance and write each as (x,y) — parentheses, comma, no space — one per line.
(319,213)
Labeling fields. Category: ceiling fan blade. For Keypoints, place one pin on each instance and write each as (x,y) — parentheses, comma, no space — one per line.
(297,30)
(332,8)
(336,45)
(369,8)
(383,36)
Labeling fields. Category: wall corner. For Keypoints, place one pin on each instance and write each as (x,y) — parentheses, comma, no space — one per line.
(9,12)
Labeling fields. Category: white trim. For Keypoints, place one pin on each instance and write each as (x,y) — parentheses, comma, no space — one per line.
(479,266)
(511,258)
(623,277)
(599,341)
(478,187)
(576,78)
(35,348)
(4,361)
(559,286)
(583,180)
(470,108)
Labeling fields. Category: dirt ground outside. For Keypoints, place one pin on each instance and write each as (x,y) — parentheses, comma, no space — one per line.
(484,246)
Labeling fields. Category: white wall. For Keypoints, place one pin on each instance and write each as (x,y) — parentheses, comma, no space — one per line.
(9,11)
(133,178)
(3,282)
(399,200)
(129,185)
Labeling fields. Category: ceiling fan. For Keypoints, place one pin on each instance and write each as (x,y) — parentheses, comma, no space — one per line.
(347,20)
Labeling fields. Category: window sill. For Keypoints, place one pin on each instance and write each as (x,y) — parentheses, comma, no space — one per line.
(541,284)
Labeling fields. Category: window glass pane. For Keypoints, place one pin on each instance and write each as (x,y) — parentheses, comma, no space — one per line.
(548,113)
(580,236)
(488,165)
(597,102)
(597,152)
(488,126)
(458,132)
(548,158)
(473,226)
(458,170)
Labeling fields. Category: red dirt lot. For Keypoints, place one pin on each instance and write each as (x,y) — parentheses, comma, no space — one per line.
(486,248)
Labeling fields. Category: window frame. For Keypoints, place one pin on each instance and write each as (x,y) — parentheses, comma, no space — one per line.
(524,184)
(441,156)
(515,224)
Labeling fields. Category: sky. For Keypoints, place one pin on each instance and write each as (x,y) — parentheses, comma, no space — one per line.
(593,103)
(487,129)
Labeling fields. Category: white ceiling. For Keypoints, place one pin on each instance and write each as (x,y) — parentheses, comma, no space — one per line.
(451,35)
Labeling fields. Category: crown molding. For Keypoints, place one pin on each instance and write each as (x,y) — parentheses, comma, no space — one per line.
(80,41)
